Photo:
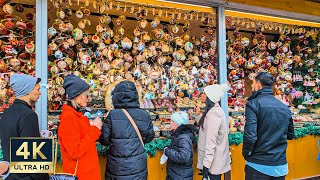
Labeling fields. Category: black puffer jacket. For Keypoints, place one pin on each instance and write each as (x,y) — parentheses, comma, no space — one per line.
(126,157)
(180,153)
(268,127)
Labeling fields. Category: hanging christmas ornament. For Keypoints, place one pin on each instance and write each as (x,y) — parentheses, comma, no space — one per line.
(175,29)
(61,14)
(77,34)
(86,12)
(172,21)
(82,24)
(53,46)
(155,23)
(143,23)
(186,26)
(21,25)
(69,27)
(30,47)
(86,60)
(126,43)
(7,8)
(99,28)
(188,46)
(63,27)
(62,64)
(58,54)
(159,33)
(245,41)
(29,16)
(9,25)
(121,31)
(19,8)
(95,39)
(79,14)
(65,45)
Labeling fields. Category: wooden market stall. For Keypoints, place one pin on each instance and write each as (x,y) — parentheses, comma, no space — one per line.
(302,153)
(302,157)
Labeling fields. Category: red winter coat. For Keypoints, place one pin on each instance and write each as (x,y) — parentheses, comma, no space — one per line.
(78,142)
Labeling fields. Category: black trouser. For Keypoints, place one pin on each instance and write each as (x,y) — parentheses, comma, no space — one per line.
(214,177)
(252,174)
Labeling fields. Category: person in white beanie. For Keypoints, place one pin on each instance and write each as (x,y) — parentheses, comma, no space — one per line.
(213,147)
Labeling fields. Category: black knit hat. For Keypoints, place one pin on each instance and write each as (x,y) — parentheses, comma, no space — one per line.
(74,86)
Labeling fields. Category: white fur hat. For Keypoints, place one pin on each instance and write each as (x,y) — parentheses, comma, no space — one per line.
(216,91)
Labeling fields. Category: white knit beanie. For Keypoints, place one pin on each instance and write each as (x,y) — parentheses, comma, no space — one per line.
(216,91)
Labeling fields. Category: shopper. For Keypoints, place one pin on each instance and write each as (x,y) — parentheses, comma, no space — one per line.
(126,156)
(77,135)
(268,127)
(213,146)
(180,151)
(19,120)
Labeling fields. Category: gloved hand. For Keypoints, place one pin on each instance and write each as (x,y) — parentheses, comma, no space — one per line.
(205,172)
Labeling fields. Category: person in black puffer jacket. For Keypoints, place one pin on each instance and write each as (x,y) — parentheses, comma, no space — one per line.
(126,156)
(180,151)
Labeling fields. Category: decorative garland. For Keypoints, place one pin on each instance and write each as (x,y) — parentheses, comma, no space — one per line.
(234,139)
(309,129)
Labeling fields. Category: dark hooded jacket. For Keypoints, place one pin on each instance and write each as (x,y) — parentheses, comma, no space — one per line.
(126,156)
(180,153)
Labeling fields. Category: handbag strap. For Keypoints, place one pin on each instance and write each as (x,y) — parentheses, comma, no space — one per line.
(56,159)
(133,124)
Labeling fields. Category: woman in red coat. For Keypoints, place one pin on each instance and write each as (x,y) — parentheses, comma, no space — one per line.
(77,135)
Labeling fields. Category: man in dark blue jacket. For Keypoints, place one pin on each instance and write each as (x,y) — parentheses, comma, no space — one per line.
(19,120)
(268,126)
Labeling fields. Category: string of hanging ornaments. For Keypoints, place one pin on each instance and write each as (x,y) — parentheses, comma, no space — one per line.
(234,23)
(139,9)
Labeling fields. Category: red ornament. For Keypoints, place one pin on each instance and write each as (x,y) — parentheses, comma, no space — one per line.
(29,16)
(21,25)
(29,25)
(19,8)
(9,24)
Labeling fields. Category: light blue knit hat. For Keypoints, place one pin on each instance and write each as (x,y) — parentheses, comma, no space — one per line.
(23,84)
(180,117)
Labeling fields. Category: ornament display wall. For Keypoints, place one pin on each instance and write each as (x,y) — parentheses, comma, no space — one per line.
(17,45)
(169,54)
(289,53)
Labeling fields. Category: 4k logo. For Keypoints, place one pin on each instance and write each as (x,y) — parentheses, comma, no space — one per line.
(31,155)
(23,150)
